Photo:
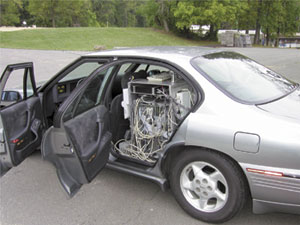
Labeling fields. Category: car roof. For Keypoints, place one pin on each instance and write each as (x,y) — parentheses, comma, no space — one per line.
(169,53)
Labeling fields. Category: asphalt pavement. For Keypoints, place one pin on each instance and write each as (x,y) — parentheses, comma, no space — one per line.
(30,194)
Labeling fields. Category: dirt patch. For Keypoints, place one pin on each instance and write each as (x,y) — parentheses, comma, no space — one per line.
(5,29)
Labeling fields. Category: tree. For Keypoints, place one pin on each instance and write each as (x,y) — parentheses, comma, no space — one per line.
(46,12)
(280,17)
(62,13)
(105,12)
(121,13)
(159,13)
(150,10)
(246,16)
(125,13)
(275,18)
(289,19)
(215,13)
(24,13)
(163,14)
(77,13)
(9,12)
(272,17)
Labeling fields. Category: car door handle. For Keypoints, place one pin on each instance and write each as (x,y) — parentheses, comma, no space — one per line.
(66,149)
(100,128)
(1,136)
(28,112)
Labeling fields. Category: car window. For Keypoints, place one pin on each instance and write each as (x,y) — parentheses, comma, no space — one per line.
(82,71)
(13,90)
(155,67)
(124,69)
(3,96)
(15,80)
(142,67)
(29,88)
(243,78)
(152,68)
(90,96)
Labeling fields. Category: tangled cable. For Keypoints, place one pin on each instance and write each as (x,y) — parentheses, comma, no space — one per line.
(153,121)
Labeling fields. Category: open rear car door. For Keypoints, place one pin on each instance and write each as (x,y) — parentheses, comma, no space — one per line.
(20,116)
(79,142)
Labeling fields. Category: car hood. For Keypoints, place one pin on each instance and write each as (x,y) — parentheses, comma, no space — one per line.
(289,106)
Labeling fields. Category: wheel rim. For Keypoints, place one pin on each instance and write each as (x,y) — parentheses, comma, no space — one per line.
(204,186)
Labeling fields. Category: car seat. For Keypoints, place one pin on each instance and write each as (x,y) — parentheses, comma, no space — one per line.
(119,124)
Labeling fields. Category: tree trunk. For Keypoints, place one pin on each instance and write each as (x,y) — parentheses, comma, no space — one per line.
(53,19)
(166,26)
(268,36)
(257,32)
(258,25)
(248,18)
(212,33)
(53,5)
(277,38)
(163,16)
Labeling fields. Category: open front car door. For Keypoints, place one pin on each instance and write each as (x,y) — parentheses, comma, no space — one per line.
(79,142)
(20,115)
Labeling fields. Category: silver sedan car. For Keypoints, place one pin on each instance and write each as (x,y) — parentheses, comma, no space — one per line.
(215,126)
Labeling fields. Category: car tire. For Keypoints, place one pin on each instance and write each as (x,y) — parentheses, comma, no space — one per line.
(208,185)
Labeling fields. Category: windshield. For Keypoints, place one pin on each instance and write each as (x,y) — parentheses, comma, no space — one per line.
(242,78)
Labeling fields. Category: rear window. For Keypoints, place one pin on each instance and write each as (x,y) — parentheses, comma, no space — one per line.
(242,78)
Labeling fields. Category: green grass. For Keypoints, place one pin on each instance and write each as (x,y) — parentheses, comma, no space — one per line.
(88,38)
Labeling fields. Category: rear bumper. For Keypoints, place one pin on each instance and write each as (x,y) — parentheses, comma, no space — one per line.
(273,193)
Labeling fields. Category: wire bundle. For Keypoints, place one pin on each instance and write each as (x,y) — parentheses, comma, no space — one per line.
(153,122)
(151,127)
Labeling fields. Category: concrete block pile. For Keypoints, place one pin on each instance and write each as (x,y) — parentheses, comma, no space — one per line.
(235,39)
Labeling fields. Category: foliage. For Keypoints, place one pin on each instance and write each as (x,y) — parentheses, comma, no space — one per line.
(120,13)
(150,10)
(247,14)
(159,13)
(215,13)
(273,17)
(280,17)
(9,12)
(62,13)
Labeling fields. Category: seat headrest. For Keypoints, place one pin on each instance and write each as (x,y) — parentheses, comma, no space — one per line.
(142,74)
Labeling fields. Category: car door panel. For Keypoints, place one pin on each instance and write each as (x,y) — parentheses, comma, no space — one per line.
(21,121)
(80,149)
(79,142)
(92,146)
(56,149)
(22,125)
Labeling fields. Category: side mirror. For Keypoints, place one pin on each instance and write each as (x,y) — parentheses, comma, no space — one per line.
(10,97)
